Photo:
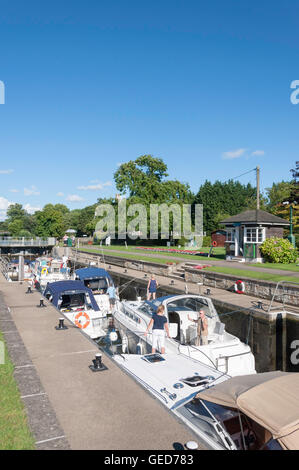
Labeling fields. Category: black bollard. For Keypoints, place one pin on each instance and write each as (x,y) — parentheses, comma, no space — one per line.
(98,366)
(41,304)
(29,290)
(208,292)
(172,282)
(260,305)
(61,326)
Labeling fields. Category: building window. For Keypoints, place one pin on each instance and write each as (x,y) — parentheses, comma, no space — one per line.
(254,235)
(230,235)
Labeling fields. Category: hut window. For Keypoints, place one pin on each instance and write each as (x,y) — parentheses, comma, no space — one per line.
(230,235)
(254,235)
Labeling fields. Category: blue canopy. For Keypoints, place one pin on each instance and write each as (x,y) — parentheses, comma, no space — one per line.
(87,274)
(56,289)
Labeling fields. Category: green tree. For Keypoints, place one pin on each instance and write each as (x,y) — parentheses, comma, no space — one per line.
(50,222)
(16,227)
(15,211)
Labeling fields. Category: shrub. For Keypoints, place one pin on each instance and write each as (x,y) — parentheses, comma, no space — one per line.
(207,241)
(278,250)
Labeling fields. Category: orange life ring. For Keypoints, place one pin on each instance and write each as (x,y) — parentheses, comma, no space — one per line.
(215,244)
(80,325)
(239,287)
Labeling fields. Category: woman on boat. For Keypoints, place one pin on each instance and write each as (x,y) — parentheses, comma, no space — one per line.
(152,288)
(160,325)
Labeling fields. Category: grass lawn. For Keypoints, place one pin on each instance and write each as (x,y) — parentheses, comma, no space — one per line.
(219,252)
(129,255)
(14,431)
(252,274)
(283,267)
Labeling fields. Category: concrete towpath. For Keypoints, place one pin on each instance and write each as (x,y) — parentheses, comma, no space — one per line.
(105,411)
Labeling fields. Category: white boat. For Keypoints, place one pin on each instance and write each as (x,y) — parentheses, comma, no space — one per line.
(77,303)
(47,270)
(224,351)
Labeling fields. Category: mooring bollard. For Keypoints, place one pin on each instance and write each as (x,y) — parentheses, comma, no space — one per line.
(98,365)
(29,290)
(145,276)
(260,305)
(172,282)
(41,304)
(61,325)
(208,292)
(125,271)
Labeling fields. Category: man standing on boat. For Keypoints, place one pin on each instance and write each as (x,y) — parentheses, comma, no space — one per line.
(160,325)
(111,291)
(202,329)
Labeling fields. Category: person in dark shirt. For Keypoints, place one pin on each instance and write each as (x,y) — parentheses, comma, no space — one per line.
(160,325)
(152,288)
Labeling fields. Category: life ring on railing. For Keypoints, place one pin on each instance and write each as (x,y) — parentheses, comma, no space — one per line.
(239,287)
(214,244)
(45,271)
(79,324)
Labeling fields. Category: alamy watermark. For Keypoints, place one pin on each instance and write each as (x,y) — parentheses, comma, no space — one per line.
(2,92)
(295,355)
(295,94)
(2,353)
(164,221)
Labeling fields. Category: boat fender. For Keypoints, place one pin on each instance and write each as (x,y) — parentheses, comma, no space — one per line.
(113,336)
(139,349)
(124,345)
(78,323)
(45,271)
(239,287)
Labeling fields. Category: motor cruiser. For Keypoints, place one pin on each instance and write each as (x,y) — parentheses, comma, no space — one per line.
(98,280)
(224,352)
(77,303)
(47,270)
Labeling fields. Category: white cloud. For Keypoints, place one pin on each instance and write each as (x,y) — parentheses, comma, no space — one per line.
(233,154)
(60,194)
(13,190)
(258,153)
(32,191)
(6,172)
(4,204)
(94,187)
(74,198)
(30,209)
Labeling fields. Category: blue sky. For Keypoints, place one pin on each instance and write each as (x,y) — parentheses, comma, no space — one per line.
(89,85)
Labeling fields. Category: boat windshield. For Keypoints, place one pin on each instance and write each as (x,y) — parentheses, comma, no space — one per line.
(72,300)
(192,304)
(197,414)
(97,285)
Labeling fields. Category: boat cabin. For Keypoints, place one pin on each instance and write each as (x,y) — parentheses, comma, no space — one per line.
(96,279)
(179,310)
(70,295)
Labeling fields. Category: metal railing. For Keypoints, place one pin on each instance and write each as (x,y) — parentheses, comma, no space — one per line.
(27,242)
(282,295)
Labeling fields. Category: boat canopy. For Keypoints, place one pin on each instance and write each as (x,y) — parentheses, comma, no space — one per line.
(270,399)
(87,274)
(56,289)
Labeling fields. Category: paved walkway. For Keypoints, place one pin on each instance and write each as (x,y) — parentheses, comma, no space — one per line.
(198,260)
(104,411)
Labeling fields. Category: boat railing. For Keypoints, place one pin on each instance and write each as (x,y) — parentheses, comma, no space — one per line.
(227,358)
(282,295)
(194,349)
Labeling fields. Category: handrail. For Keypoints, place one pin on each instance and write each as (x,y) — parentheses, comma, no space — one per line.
(283,294)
